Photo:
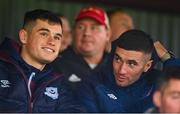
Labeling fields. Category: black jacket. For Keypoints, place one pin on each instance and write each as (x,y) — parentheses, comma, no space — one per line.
(76,68)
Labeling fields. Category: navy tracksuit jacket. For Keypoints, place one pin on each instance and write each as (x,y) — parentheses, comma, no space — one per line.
(24,88)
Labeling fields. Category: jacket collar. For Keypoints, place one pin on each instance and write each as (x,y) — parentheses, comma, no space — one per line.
(10,51)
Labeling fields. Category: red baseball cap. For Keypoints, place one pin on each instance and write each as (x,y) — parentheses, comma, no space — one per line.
(94,12)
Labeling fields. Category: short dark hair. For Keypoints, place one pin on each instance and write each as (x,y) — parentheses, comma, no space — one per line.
(32,16)
(135,40)
(169,73)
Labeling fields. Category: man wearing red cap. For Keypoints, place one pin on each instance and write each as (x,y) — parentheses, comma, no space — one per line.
(87,56)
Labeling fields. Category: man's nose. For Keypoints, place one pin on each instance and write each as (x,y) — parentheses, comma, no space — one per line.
(122,68)
(51,40)
(87,31)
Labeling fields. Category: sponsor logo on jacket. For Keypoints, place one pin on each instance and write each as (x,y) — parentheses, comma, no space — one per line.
(74,78)
(112,96)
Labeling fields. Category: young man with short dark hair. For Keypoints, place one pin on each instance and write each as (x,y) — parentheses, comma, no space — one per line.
(27,80)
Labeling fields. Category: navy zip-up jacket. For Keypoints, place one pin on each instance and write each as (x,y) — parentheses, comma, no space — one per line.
(106,97)
(24,88)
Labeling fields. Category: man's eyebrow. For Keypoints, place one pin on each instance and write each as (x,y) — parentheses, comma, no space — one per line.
(130,60)
(45,29)
(117,55)
(58,34)
(133,61)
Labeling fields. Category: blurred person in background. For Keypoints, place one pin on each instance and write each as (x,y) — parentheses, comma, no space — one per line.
(167,95)
(67,35)
(120,21)
(87,54)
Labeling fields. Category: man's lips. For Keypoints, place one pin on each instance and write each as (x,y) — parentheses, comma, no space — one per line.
(121,78)
(48,49)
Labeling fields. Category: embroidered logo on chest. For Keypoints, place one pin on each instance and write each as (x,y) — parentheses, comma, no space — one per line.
(52,92)
(5,83)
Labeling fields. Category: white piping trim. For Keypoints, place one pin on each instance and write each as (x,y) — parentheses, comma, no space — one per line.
(29,83)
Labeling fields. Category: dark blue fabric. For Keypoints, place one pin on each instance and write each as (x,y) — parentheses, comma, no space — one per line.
(14,95)
(172,62)
(103,95)
(69,62)
(106,96)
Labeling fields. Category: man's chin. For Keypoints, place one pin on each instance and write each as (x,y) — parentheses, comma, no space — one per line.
(121,84)
(86,52)
(47,61)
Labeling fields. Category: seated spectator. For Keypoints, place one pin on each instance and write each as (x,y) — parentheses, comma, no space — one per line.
(27,80)
(67,35)
(87,54)
(120,21)
(167,95)
(128,83)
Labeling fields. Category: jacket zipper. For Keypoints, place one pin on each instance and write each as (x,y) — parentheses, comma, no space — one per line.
(29,90)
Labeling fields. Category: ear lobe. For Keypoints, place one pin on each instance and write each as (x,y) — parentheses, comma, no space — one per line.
(148,65)
(23,36)
(157,99)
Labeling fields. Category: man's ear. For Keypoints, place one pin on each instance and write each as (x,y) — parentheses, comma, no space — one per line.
(23,36)
(148,65)
(157,98)
(108,34)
